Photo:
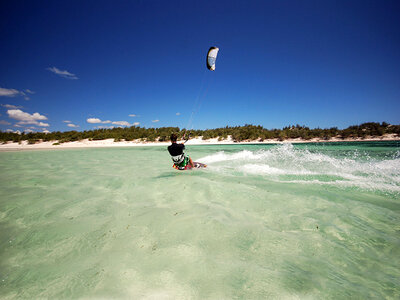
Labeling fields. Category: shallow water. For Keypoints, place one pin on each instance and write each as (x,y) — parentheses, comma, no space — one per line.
(313,221)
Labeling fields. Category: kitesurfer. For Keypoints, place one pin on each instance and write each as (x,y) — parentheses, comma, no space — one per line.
(180,159)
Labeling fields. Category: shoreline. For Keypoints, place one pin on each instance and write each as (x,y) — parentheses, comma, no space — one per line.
(11,146)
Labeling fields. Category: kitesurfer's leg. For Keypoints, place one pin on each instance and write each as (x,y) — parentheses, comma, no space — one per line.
(191,162)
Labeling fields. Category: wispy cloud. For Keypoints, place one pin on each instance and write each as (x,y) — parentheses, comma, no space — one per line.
(133,115)
(29,91)
(155,121)
(9,92)
(2,122)
(26,118)
(136,124)
(16,131)
(70,124)
(11,106)
(98,121)
(61,73)
(25,96)
(121,123)
(14,93)
(104,127)
(178,113)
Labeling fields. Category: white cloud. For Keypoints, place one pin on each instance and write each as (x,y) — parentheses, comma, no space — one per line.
(19,115)
(133,115)
(26,118)
(61,73)
(34,129)
(122,123)
(13,93)
(136,124)
(104,127)
(155,121)
(2,122)
(11,106)
(16,131)
(178,113)
(72,125)
(97,120)
(93,120)
(67,121)
(9,92)
(29,91)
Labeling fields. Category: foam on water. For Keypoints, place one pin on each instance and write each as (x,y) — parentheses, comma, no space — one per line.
(286,164)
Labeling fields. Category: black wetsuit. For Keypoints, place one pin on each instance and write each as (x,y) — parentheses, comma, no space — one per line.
(176,149)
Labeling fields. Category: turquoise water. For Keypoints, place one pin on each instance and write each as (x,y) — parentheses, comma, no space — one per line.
(310,221)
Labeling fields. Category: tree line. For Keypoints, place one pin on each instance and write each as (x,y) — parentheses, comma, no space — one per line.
(238,133)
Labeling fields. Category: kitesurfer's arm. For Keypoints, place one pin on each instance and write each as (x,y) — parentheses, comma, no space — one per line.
(186,139)
(191,162)
(190,159)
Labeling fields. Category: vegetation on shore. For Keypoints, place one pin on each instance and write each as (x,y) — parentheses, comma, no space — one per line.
(238,133)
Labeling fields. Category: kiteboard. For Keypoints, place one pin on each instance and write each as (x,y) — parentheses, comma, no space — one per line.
(197,165)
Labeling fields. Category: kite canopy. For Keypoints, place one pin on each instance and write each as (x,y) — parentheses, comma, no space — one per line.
(211,58)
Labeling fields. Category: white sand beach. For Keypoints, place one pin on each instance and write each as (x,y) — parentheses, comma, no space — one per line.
(24,145)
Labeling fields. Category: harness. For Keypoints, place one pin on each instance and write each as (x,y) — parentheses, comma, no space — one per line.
(181,162)
(178,159)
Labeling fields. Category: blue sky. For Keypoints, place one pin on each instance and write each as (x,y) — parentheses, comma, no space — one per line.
(314,63)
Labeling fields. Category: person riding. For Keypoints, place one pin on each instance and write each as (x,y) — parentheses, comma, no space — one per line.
(180,159)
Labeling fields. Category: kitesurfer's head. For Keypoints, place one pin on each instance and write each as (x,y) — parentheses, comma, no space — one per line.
(173,138)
